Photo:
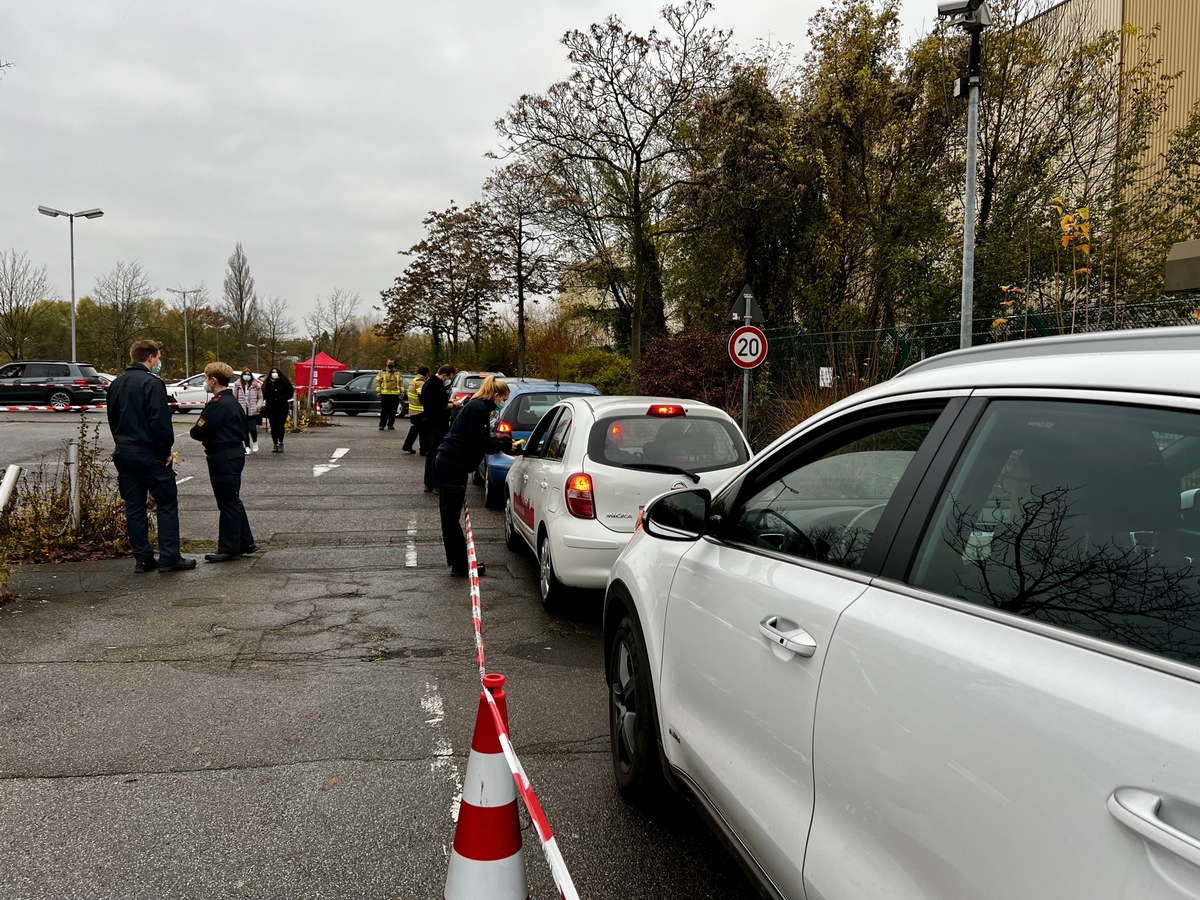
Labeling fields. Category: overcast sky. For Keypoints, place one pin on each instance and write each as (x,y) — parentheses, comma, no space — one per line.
(317,134)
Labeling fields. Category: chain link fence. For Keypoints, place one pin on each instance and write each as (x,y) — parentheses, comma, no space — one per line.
(868,356)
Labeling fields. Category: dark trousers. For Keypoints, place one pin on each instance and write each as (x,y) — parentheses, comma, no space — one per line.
(140,472)
(389,405)
(416,424)
(452,484)
(278,420)
(431,439)
(252,422)
(233,530)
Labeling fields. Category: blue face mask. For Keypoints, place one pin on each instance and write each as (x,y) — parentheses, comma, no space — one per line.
(157,367)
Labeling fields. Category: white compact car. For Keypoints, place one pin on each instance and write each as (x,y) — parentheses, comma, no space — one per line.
(576,491)
(941,640)
(189,395)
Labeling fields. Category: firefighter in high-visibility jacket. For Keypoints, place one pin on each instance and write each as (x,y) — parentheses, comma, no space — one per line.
(389,384)
(416,411)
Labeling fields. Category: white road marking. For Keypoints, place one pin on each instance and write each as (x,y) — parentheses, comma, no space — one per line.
(443,750)
(321,469)
(410,545)
(182,480)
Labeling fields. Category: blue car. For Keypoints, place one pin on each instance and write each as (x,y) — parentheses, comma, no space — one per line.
(528,400)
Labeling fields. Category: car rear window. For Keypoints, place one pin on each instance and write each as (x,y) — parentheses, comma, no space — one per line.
(472,382)
(88,372)
(694,443)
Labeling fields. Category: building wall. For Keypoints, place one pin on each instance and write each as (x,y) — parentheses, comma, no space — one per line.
(1178,44)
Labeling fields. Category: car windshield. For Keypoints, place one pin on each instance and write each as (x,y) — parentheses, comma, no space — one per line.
(526,410)
(695,444)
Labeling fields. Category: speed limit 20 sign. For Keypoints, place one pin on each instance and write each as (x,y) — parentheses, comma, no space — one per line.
(748,347)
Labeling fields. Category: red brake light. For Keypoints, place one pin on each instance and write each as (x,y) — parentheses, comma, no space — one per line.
(82,382)
(666,410)
(580,501)
(504,428)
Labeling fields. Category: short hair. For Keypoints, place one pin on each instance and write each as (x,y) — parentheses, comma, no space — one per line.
(422,370)
(491,388)
(221,373)
(446,369)
(143,350)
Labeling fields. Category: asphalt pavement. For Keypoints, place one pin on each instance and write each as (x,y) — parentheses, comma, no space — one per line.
(297,724)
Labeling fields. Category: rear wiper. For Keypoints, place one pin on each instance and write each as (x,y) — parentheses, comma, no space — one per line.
(657,467)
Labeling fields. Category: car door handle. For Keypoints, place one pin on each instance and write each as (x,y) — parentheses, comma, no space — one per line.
(542,484)
(1138,810)
(796,640)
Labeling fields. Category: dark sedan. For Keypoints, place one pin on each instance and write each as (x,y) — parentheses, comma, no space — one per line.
(355,396)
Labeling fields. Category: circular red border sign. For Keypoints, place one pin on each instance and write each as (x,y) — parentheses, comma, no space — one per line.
(747,340)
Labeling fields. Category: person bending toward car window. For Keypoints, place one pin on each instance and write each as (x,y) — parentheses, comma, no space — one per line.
(277,394)
(435,399)
(224,431)
(139,417)
(458,456)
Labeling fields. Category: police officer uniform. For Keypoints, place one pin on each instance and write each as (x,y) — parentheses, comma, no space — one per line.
(224,431)
(139,417)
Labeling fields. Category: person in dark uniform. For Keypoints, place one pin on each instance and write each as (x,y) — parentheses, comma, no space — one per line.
(462,450)
(435,398)
(139,417)
(224,431)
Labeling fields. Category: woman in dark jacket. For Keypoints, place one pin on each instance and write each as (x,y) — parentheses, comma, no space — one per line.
(458,456)
(277,394)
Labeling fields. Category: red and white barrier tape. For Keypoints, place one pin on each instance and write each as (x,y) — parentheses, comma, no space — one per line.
(49,408)
(558,866)
(188,403)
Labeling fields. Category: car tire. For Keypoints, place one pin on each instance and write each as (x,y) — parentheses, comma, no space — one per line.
(60,400)
(512,540)
(326,407)
(493,494)
(551,589)
(631,717)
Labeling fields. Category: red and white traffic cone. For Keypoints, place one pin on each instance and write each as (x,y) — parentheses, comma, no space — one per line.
(487,862)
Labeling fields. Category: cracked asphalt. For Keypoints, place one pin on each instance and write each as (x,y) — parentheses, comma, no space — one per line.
(297,725)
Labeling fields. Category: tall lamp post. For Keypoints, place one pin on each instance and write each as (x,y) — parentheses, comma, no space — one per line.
(256,347)
(86,214)
(972,16)
(187,363)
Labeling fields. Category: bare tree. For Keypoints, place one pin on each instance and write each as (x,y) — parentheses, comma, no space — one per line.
(276,326)
(124,308)
(22,314)
(240,301)
(335,317)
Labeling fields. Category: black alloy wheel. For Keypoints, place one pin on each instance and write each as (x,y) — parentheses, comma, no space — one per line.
(631,717)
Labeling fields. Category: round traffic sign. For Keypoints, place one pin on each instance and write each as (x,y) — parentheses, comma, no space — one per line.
(748,347)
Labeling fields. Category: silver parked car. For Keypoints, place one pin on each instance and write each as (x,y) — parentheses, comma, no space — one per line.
(941,640)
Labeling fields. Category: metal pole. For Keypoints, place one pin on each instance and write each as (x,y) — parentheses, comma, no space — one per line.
(9,485)
(74,355)
(312,373)
(73,475)
(746,385)
(975,85)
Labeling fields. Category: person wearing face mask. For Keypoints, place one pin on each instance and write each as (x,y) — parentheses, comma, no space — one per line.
(139,417)
(223,429)
(249,395)
(277,394)
(389,384)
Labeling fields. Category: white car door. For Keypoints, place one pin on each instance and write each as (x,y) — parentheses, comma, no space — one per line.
(1017,712)
(526,477)
(749,620)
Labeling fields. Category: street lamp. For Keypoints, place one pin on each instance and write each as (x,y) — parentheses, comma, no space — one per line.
(972,16)
(187,365)
(86,214)
(256,349)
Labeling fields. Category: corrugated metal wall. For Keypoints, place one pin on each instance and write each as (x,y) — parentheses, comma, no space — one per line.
(1179,46)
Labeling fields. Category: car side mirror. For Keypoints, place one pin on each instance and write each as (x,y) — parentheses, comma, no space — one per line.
(678,515)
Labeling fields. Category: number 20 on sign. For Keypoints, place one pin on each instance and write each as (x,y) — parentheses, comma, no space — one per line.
(748,347)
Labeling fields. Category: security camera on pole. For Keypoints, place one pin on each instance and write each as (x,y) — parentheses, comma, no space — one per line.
(972,16)
(747,345)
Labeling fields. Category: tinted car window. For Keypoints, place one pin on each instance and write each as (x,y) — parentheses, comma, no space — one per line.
(556,446)
(537,440)
(528,408)
(36,370)
(693,443)
(88,371)
(362,383)
(827,508)
(1071,514)
(57,370)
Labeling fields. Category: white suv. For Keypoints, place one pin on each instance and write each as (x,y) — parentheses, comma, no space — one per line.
(575,492)
(941,640)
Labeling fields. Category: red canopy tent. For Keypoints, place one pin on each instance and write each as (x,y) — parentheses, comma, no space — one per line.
(319,369)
